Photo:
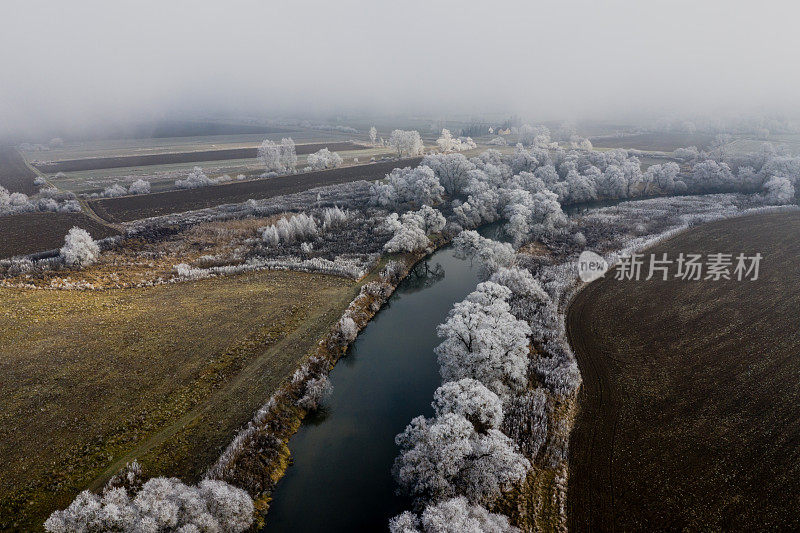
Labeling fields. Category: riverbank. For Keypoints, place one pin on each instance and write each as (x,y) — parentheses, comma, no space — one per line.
(259,455)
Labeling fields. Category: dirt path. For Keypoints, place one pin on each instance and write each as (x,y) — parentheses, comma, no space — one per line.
(689,416)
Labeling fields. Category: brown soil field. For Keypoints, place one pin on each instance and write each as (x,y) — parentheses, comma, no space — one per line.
(15,175)
(165,374)
(96,163)
(660,142)
(127,208)
(690,407)
(29,233)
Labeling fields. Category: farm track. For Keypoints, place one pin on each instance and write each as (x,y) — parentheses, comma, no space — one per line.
(98,163)
(129,208)
(15,174)
(689,408)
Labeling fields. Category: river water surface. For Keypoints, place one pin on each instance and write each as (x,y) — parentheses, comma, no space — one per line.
(341,477)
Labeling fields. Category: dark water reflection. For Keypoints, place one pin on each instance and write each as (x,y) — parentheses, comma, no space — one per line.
(341,478)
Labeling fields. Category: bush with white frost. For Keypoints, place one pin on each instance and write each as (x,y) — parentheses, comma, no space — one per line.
(161,504)
(139,186)
(455,515)
(316,390)
(324,159)
(197,178)
(79,248)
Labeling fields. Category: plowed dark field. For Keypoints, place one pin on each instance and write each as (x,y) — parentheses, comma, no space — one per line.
(127,208)
(29,233)
(690,407)
(662,142)
(95,163)
(14,173)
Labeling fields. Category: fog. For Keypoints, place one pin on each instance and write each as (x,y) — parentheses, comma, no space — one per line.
(66,65)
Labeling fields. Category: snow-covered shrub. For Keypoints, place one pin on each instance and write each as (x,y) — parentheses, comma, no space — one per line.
(455,515)
(139,186)
(324,159)
(79,248)
(316,390)
(40,180)
(393,272)
(196,179)
(114,191)
(162,504)
(299,227)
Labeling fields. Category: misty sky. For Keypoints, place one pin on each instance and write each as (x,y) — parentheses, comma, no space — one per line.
(82,62)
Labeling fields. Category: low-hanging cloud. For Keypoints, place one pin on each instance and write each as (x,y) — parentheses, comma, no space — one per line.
(70,64)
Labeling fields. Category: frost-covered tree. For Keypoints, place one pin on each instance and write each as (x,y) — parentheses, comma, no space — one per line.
(406,143)
(452,171)
(711,176)
(373,135)
(417,186)
(489,255)
(79,248)
(412,229)
(280,158)
(662,178)
(114,191)
(779,190)
(324,159)
(484,341)
(455,515)
(527,297)
(444,457)
(161,504)
(139,186)
(472,400)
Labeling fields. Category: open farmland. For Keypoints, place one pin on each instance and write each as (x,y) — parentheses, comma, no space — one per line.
(130,208)
(97,163)
(164,374)
(15,175)
(654,142)
(28,233)
(689,413)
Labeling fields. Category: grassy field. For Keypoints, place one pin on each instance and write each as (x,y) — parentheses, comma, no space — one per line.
(689,415)
(93,379)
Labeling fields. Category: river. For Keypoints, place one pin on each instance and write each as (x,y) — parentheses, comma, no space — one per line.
(341,477)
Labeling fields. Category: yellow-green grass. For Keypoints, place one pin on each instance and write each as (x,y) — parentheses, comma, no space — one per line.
(165,375)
